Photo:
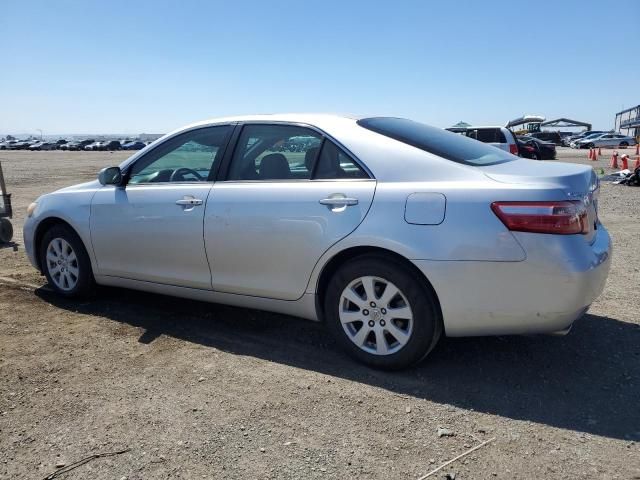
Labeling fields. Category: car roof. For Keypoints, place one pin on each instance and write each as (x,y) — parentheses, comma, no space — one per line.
(310,118)
(372,148)
(472,127)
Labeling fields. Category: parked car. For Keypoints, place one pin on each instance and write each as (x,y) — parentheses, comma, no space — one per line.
(69,145)
(83,143)
(112,145)
(536,149)
(460,238)
(500,137)
(553,137)
(606,140)
(8,144)
(575,138)
(95,146)
(43,146)
(576,143)
(133,146)
(22,145)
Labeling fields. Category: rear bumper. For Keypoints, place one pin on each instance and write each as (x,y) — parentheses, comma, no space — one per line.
(546,293)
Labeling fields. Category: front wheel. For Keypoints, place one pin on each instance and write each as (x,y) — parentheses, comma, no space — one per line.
(624,144)
(381,314)
(65,262)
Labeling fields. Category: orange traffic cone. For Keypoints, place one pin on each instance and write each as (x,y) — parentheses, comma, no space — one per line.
(590,156)
(595,155)
(637,149)
(625,162)
(614,160)
(637,164)
(599,151)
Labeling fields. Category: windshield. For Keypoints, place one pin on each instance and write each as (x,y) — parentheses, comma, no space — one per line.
(452,146)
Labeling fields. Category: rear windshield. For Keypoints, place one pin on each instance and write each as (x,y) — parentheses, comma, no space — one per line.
(452,146)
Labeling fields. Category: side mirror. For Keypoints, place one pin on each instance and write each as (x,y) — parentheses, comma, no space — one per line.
(110,176)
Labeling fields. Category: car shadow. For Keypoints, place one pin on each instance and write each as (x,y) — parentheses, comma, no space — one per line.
(588,381)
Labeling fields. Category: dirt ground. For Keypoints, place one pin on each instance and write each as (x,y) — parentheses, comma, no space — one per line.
(198,390)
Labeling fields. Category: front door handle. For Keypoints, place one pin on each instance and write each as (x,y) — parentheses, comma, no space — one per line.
(189,201)
(339,201)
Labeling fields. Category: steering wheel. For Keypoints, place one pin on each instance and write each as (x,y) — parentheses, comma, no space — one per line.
(179,173)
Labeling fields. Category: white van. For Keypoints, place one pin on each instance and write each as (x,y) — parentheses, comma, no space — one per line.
(500,137)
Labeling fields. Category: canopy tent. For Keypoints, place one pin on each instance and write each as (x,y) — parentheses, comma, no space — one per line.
(565,122)
(459,127)
(526,120)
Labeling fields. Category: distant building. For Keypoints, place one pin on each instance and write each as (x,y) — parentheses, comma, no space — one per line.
(627,122)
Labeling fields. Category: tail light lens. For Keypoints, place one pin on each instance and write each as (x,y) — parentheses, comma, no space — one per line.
(513,148)
(561,218)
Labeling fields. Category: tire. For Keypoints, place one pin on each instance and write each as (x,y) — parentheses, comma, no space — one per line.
(535,157)
(6,230)
(413,337)
(624,144)
(76,279)
(591,145)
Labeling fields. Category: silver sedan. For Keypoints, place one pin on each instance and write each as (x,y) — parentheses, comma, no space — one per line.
(391,232)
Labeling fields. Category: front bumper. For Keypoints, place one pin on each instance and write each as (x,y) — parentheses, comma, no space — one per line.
(28,234)
(545,293)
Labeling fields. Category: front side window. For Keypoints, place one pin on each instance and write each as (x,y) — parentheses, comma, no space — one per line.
(189,157)
(275,152)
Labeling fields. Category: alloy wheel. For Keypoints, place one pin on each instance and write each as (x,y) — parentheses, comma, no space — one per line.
(376,315)
(62,264)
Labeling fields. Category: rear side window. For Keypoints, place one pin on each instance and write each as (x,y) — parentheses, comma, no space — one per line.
(275,152)
(333,163)
(437,141)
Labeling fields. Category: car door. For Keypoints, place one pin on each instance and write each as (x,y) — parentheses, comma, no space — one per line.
(604,141)
(151,227)
(287,195)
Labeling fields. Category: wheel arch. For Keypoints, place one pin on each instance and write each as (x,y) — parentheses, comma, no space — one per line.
(42,228)
(334,263)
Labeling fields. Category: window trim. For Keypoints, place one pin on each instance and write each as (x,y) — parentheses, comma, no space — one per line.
(223,171)
(126,174)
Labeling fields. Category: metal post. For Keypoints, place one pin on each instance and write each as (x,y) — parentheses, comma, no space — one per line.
(3,187)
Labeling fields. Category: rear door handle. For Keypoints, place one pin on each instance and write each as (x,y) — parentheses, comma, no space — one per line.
(189,202)
(339,201)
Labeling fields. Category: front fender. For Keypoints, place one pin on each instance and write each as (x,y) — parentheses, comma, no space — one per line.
(70,207)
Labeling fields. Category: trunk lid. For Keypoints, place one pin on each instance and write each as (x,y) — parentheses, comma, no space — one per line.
(578,182)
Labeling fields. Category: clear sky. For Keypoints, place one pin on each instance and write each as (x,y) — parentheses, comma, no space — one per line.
(151,66)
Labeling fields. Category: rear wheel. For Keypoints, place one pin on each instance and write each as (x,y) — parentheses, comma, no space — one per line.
(65,262)
(624,144)
(381,314)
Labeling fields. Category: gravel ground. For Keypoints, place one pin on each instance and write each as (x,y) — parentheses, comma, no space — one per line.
(206,391)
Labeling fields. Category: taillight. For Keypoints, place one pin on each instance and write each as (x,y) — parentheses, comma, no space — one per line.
(529,149)
(513,148)
(562,217)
